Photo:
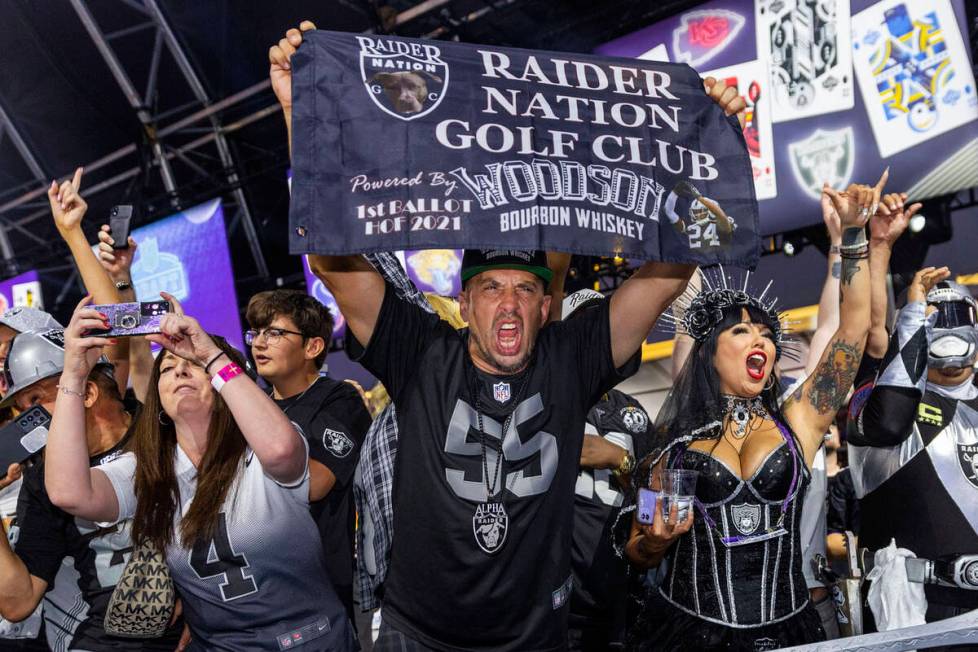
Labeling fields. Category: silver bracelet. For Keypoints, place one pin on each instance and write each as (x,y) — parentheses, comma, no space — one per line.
(70,392)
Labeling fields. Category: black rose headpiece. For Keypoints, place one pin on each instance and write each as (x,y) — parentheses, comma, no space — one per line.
(700,312)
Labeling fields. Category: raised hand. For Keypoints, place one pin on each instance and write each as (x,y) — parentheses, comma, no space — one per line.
(829,215)
(67,205)
(115,261)
(280,70)
(81,351)
(183,336)
(728,98)
(858,202)
(924,281)
(892,218)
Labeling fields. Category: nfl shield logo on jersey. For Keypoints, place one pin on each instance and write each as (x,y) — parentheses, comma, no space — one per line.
(968,456)
(746,517)
(500,392)
(337,442)
(406,80)
(490,524)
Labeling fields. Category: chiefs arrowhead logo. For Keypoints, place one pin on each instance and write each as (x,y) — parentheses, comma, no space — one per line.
(705,34)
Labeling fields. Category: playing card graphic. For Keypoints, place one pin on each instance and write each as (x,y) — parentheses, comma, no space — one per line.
(806,45)
(751,82)
(913,71)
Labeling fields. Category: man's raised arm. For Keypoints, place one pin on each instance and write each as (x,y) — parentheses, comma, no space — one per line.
(356,286)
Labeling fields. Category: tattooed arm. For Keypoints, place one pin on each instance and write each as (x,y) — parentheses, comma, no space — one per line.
(828,303)
(812,407)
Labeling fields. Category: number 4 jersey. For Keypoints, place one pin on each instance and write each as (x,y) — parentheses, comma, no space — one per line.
(261,583)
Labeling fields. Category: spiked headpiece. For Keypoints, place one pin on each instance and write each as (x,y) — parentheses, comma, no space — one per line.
(701,311)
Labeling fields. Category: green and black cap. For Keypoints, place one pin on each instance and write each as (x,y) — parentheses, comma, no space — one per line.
(476,261)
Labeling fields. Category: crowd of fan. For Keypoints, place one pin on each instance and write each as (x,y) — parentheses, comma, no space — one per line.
(488,495)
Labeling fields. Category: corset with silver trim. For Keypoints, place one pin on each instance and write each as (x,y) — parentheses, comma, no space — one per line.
(759,581)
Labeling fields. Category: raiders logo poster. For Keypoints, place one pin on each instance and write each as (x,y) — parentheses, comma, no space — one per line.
(826,155)
(806,44)
(337,442)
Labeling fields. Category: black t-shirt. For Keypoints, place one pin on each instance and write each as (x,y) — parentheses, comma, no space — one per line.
(463,576)
(843,512)
(600,575)
(48,536)
(334,420)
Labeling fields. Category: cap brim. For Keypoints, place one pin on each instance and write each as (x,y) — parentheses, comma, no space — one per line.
(543,272)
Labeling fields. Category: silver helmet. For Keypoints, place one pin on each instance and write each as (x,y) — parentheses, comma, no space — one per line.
(28,319)
(954,338)
(34,356)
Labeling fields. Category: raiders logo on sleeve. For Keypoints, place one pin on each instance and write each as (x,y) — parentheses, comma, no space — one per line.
(337,442)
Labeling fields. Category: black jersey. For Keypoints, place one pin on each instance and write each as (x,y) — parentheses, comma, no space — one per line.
(48,538)
(466,573)
(913,456)
(334,420)
(600,575)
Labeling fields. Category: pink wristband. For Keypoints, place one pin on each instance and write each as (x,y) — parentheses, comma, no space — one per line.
(224,374)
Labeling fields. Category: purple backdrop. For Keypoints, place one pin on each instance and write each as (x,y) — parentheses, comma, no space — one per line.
(187,255)
(23,290)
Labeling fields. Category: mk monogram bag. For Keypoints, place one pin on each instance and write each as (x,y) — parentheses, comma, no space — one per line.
(141,605)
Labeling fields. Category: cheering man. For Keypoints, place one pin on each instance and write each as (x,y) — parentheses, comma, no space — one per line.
(491,421)
(289,338)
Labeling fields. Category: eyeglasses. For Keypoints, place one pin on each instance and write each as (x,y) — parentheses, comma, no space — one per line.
(272,335)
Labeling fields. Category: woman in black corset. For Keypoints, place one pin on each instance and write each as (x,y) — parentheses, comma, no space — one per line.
(733,578)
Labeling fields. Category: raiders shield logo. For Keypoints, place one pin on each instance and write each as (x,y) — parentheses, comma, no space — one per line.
(405,79)
(489,525)
(704,34)
(337,442)
(746,517)
(823,156)
(635,420)
(968,456)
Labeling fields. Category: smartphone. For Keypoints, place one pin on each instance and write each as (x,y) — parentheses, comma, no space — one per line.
(646,506)
(119,219)
(130,319)
(23,436)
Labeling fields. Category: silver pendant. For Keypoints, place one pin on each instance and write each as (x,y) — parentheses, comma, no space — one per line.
(490,525)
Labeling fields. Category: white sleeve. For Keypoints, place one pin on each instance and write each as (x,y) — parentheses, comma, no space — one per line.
(121,473)
(300,486)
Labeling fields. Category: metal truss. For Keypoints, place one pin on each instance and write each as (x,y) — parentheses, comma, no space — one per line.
(172,146)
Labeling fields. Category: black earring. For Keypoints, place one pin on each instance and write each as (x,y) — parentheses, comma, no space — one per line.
(164,419)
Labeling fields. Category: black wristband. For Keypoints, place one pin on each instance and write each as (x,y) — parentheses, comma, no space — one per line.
(122,286)
(207,367)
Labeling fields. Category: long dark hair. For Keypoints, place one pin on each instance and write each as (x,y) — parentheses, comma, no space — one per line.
(154,443)
(695,400)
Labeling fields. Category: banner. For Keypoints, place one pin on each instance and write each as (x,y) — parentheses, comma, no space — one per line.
(403,144)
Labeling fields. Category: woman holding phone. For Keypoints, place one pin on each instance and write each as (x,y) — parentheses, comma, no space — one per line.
(216,476)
